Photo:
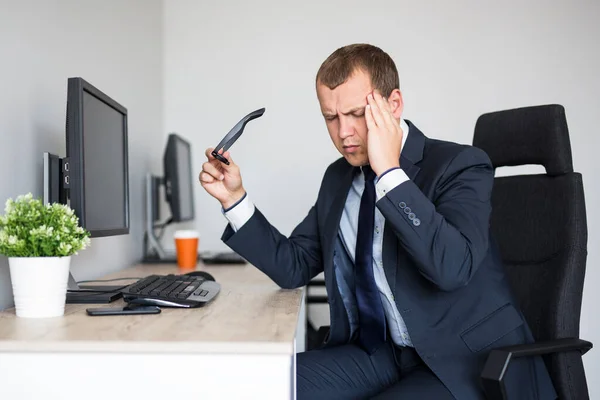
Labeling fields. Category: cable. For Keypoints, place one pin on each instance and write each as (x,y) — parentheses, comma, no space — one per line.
(158,237)
(162,227)
(167,222)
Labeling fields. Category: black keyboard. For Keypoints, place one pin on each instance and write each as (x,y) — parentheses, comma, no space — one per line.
(172,291)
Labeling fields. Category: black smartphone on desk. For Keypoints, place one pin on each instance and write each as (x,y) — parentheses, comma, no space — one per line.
(127,310)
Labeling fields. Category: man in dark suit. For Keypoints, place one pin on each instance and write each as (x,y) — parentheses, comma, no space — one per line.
(400,229)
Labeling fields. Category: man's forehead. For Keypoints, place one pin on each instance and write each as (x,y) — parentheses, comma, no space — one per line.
(345,100)
(344,104)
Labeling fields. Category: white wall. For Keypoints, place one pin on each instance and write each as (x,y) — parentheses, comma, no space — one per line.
(116,46)
(456,60)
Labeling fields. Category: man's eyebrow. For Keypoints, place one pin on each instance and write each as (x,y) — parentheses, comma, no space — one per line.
(354,109)
(351,111)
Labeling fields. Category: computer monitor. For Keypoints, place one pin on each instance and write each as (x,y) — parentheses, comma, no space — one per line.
(96,134)
(93,178)
(177,167)
(178,187)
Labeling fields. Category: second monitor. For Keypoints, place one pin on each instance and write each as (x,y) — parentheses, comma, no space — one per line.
(177,166)
(178,189)
(177,184)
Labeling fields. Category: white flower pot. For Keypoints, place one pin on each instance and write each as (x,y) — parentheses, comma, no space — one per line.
(39,285)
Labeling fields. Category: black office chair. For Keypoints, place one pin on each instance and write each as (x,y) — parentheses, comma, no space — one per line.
(539,224)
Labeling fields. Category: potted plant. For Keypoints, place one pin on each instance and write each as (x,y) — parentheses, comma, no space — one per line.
(39,241)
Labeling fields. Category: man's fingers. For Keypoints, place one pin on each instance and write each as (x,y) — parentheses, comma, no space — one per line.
(214,161)
(385,104)
(377,116)
(369,117)
(208,153)
(211,169)
(227,156)
(384,108)
(232,167)
(205,178)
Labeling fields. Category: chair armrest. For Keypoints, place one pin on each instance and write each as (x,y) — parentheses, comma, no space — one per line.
(497,362)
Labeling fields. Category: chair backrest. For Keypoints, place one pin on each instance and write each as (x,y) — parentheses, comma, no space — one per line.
(539,224)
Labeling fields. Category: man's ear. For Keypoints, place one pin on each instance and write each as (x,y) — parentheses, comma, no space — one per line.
(396,103)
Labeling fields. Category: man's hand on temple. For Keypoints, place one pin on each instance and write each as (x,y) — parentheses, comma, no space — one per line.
(385,135)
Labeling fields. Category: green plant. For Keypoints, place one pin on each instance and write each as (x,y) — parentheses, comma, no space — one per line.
(31,229)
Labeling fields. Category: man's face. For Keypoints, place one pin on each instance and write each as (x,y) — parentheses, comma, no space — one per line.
(344,112)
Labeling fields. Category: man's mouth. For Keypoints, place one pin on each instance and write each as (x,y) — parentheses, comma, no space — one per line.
(351,148)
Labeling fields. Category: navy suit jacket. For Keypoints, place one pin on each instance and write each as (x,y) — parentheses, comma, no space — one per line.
(442,266)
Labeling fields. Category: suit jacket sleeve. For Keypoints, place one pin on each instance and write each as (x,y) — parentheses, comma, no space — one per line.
(290,262)
(450,238)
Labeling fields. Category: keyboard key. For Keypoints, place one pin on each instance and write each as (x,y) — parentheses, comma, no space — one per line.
(180,287)
(170,288)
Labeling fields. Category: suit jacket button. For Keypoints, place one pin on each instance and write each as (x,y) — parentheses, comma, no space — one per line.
(402,204)
(407,210)
(416,222)
(411,216)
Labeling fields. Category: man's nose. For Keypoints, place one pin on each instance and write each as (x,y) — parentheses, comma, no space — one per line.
(346,128)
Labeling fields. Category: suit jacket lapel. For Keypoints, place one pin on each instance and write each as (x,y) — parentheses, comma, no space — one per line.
(332,222)
(412,152)
(410,155)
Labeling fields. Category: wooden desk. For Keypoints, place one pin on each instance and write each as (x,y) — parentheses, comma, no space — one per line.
(240,346)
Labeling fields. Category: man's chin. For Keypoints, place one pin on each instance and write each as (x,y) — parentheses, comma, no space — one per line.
(355,161)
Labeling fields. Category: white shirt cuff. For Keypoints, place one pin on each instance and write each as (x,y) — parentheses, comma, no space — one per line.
(240,213)
(389,181)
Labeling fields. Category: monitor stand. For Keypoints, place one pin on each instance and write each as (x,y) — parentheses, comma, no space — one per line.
(154,253)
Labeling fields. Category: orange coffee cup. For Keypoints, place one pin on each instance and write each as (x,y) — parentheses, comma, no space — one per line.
(186,245)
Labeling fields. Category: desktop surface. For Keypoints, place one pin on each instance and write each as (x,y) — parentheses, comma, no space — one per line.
(251,313)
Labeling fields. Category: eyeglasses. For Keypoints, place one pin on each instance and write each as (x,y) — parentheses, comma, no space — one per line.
(234,135)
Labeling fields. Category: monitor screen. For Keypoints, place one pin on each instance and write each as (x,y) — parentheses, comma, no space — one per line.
(104,171)
(185,178)
(178,178)
(98,160)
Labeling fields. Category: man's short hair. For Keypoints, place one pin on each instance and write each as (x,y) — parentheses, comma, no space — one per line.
(376,63)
